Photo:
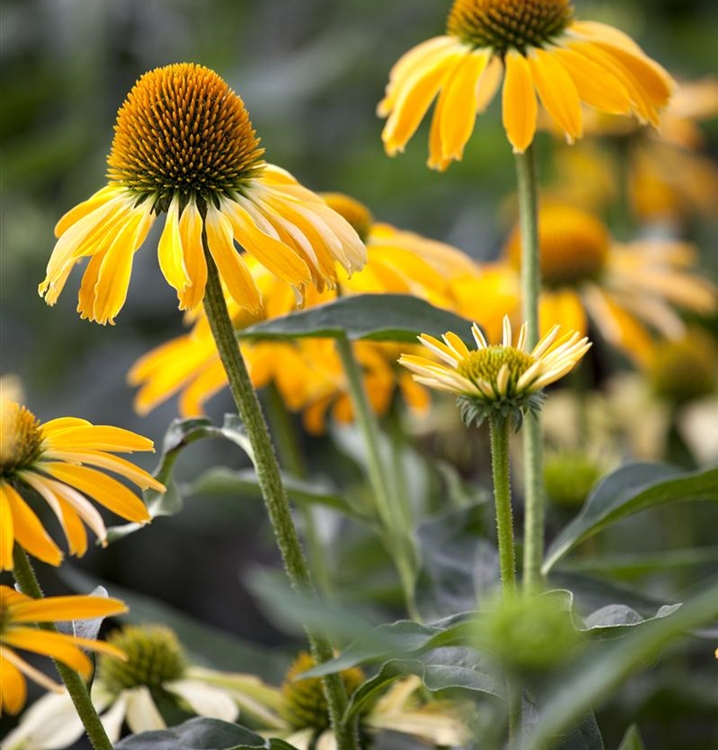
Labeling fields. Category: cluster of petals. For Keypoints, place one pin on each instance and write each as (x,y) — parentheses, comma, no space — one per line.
(588,62)
(70,467)
(285,226)
(308,373)
(19,615)
(553,357)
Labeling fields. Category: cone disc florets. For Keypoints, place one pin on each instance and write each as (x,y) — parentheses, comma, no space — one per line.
(182,130)
(508,24)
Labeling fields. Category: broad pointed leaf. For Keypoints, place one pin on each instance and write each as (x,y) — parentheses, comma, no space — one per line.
(626,491)
(380,317)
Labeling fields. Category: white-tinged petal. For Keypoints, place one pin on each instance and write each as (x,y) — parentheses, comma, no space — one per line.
(113,719)
(502,380)
(479,337)
(507,333)
(302,739)
(204,699)
(545,342)
(51,723)
(142,714)
(327,741)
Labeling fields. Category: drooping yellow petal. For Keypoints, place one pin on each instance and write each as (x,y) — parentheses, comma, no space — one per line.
(232,269)
(519,105)
(407,65)
(190,229)
(273,254)
(61,608)
(489,83)
(13,688)
(557,92)
(112,463)
(7,531)
(461,105)
(170,252)
(414,99)
(28,529)
(595,84)
(83,209)
(56,645)
(105,490)
(113,278)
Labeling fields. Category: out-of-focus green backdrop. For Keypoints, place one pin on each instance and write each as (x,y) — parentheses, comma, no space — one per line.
(311,73)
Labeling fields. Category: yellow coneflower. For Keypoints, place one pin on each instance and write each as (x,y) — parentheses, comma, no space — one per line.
(537,47)
(155,675)
(184,145)
(18,616)
(629,291)
(308,373)
(63,462)
(503,379)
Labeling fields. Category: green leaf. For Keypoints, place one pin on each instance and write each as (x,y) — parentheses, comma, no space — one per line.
(379,317)
(626,491)
(628,567)
(201,734)
(401,638)
(221,479)
(180,434)
(632,739)
(595,680)
(583,736)
(453,669)
(456,561)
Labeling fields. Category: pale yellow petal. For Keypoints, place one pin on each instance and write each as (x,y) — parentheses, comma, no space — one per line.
(557,92)
(520,108)
(232,269)
(169,250)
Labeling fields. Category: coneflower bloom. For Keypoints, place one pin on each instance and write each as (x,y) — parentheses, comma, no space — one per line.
(503,379)
(184,145)
(63,461)
(538,48)
(19,615)
(631,292)
(153,687)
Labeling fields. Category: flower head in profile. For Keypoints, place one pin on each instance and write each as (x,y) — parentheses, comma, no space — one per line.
(64,462)
(503,379)
(19,615)
(631,292)
(184,145)
(154,675)
(539,49)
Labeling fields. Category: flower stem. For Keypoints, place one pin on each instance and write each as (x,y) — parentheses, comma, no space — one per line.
(80,695)
(290,457)
(531,286)
(272,487)
(502,499)
(398,539)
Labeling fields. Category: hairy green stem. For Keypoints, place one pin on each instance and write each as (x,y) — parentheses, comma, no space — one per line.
(272,487)
(502,500)
(290,457)
(397,537)
(534,520)
(80,695)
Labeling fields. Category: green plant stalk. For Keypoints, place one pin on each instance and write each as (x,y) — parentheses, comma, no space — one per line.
(290,456)
(499,427)
(500,467)
(80,695)
(398,541)
(272,487)
(534,520)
